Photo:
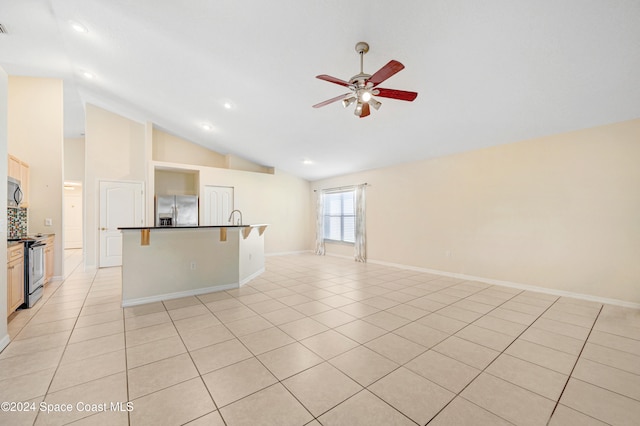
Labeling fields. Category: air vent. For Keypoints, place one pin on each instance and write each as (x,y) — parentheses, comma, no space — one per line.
(3,30)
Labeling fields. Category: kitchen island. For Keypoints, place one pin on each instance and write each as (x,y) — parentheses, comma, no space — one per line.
(160,263)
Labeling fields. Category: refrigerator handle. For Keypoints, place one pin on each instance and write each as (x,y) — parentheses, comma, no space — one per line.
(174,215)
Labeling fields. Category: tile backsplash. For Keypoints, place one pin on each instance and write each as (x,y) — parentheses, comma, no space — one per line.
(16,223)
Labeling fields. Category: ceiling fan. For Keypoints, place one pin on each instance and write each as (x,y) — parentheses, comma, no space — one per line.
(364,86)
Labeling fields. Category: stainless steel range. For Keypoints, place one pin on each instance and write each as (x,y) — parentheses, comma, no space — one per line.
(33,269)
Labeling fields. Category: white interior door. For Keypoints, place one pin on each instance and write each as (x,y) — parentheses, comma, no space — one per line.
(218,204)
(121,205)
(73,216)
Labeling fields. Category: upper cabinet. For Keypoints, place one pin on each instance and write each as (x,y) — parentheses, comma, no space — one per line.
(18,169)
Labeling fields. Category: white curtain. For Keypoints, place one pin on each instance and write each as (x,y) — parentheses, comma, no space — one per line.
(360,237)
(320,223)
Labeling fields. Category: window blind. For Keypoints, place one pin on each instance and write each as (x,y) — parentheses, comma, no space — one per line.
(339,216)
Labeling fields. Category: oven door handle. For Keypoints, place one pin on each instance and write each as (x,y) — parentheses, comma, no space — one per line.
(38,244)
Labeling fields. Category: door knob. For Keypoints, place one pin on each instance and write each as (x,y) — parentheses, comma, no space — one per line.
(103,229)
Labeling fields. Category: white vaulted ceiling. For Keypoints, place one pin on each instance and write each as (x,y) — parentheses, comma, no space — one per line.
(487,72)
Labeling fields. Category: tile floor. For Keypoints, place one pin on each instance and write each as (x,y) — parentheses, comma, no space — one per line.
(323,341)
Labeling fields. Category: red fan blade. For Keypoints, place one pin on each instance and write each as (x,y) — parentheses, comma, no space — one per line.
(333,80)
(385,72)
(365,110)
(329,101)
(396,94)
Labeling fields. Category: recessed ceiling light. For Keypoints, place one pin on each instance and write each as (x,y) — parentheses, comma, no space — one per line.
(307,161)
(227,105)
(207,127)
(78,27)
(88,75)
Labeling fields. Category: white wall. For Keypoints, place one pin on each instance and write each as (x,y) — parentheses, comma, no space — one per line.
(114,150)
(559,212)
(35,135)
(4,337)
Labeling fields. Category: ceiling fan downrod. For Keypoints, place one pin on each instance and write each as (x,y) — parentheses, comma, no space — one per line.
(362,48)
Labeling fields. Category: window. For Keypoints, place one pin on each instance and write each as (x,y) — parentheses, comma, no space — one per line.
(339,216)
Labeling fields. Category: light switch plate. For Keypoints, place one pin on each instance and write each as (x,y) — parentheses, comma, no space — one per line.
(48,222)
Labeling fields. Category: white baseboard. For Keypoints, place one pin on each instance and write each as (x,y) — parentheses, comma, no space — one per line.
(4,342)
(285,253)
(343,256)
(168,296)
(591,298)
(250,277)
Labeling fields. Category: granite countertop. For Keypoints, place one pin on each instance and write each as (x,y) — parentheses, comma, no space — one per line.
(183,227)
(29,237)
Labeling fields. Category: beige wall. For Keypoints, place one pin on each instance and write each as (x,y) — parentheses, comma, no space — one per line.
(4,338)
(167,147)
(74,159)
(280,200)
(162,270)
(35,132)
(239,163)
(175,183)
(114,150)
(170,148)
(559,212)
(180,262)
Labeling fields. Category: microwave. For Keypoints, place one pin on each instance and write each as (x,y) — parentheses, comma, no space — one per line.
(14,193)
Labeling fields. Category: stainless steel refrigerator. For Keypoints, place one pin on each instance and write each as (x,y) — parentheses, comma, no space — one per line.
(176,210)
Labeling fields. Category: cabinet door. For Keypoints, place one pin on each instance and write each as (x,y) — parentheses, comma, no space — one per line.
(24,183)
(15,285)
(9,287)
(14,167)
(48,263)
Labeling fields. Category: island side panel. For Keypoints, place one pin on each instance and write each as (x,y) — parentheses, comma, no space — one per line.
(163,269)
(251,256)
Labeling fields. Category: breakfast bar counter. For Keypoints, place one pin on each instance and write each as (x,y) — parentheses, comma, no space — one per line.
(162,263)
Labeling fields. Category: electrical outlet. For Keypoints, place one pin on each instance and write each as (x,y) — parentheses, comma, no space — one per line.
(48,222)
(193,266)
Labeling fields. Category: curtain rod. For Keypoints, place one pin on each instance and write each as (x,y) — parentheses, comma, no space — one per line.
(341,187)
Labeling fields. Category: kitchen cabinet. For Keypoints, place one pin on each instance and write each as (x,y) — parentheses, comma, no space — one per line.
(15,277)
(18,169)
(14,167)
(48,259)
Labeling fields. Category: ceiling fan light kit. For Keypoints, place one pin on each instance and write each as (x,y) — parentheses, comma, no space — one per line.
(364,86)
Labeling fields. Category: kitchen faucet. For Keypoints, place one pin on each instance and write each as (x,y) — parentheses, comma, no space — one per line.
(231,216)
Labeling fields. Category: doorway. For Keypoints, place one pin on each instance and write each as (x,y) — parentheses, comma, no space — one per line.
(72,215)
(218,205)
(121,205)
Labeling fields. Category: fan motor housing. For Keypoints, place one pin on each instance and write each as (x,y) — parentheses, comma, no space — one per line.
(359,79)
(362,47)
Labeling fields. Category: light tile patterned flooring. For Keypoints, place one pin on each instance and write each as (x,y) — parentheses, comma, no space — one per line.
(322,340)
